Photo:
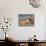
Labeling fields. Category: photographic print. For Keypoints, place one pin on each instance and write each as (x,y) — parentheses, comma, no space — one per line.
(26,19)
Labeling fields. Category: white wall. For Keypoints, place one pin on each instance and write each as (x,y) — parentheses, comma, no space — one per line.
(12,8)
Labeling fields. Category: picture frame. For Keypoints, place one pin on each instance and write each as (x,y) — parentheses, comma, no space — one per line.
(26,19)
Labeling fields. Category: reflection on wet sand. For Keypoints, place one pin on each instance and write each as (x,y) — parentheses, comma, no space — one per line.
(27,21)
